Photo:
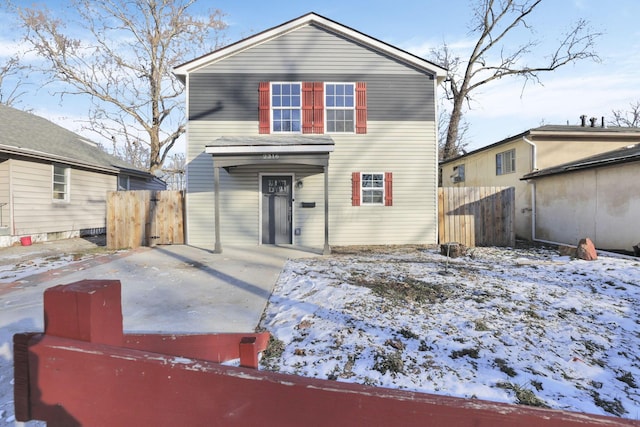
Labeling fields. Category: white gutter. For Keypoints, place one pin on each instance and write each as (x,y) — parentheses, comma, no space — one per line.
(534,167)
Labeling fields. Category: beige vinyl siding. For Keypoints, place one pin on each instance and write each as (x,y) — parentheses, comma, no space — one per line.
(35,211)
(199,198)
(399,148)
(403,149)
(5,209)
(290,53)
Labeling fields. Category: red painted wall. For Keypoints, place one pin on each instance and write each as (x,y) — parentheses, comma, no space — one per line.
(87,376)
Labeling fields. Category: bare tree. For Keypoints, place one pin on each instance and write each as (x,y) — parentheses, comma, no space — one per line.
(123,63)
(628,118)
(443,125)
(493,57)
(12,81)
(174,172)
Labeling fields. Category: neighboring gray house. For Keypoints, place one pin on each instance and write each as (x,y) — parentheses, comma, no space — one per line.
(53,182)
(312,134)
(596,197)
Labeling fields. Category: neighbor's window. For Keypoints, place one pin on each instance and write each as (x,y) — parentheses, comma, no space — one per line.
(60,183)
(458,173)
(506,162)
(340,106)
(286,107)
(123,182)
(372,188)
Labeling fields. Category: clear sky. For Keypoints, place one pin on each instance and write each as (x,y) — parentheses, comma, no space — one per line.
(500,109)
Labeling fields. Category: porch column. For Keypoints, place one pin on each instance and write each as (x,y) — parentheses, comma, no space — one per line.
(327,248)
(216,188)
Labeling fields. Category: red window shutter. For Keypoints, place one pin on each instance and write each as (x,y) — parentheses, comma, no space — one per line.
(388,189)
(264,105)
(318,107)
(355,189)
(361,107)
(307,107)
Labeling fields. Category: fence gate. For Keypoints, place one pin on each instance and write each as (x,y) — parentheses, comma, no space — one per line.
(477,216)
(144,218)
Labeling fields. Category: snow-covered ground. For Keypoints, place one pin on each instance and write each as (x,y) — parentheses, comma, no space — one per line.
(510,325)
(502,324)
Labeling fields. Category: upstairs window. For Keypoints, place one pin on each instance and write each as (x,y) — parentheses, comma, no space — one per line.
(340,106)
(286,105)
(60,183)
(506,162)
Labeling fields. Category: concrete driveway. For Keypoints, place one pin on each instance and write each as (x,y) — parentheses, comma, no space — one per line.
(167,288)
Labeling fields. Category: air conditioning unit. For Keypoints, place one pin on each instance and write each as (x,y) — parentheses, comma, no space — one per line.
(457,179)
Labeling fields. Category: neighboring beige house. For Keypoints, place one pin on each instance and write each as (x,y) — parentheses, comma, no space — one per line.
(311,134)
(596,197)
(505,162)
(53,182)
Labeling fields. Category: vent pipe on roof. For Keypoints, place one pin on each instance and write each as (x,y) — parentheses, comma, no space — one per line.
(602,122)
(583,120)
(593,121)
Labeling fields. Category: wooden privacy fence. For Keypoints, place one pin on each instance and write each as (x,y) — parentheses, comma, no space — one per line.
(144,218)
(477,216)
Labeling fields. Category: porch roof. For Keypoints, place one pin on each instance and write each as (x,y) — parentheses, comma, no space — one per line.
(271,144)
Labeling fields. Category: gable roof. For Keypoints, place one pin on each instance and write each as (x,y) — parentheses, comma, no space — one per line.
(25,134)
(311,19)
(609,158)
(560,132)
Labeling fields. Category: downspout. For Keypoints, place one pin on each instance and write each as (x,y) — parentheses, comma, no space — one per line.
(534,167)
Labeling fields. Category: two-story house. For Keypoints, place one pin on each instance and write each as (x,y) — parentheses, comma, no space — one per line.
(312,134)
(505,162)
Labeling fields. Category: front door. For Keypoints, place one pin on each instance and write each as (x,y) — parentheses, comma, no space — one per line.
(276,210)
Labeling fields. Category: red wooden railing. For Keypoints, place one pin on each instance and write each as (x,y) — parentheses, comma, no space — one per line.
(84,371)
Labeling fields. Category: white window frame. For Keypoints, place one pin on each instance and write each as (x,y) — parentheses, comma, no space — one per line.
(363,189)
(273,109)
(66,183)
(342,108)
(502,168)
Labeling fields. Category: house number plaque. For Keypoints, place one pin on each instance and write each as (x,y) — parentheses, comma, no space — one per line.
(270,156)
(277,186)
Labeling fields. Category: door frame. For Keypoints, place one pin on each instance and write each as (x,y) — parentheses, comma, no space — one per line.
(293,204)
